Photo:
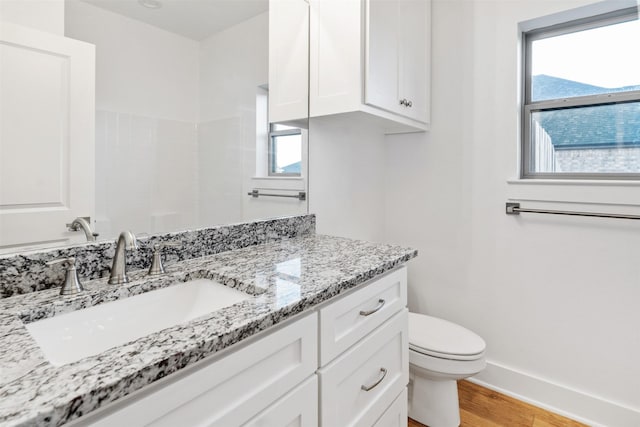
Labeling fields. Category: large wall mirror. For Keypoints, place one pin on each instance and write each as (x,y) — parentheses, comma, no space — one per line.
(184,137)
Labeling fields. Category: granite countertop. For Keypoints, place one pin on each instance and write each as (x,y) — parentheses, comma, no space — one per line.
(284,278)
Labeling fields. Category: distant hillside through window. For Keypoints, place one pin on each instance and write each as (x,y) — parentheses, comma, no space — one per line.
(545,87)
(602,126)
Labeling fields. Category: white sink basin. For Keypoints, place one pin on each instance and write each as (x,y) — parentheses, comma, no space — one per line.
(72,336)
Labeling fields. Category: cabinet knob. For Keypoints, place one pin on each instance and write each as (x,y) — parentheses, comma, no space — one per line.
(409,104)
(403,101)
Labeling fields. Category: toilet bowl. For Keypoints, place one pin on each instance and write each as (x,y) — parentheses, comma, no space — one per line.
(440,353)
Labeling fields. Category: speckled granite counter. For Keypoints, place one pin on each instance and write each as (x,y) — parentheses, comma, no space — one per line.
(285,278)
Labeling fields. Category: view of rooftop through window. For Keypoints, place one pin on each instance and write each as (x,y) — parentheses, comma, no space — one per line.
(600,132)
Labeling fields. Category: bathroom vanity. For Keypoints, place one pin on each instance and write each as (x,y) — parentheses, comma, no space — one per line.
(321,339)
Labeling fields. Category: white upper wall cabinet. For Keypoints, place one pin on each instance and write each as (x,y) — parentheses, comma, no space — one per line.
(371,58)
(288,60)
(47,105)
(396,60)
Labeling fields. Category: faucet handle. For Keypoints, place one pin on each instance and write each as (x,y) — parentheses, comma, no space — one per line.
(156,262)
(71,285)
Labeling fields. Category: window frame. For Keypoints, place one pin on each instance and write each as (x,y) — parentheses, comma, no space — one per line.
(528,107)
(271,152)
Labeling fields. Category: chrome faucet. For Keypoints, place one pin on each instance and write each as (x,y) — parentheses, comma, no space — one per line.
(83,223)
(127,240)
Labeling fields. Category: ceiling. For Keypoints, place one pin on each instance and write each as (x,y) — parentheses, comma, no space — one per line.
(195,19)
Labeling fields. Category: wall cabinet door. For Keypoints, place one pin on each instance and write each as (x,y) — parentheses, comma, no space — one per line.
(47,108)
(335,78)
(414,52)
(397,55)
(382,55)
(288,60)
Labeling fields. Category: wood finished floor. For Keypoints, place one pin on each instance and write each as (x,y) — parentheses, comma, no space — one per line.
(481,407)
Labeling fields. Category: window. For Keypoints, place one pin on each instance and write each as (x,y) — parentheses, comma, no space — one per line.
(581,110)
(285,150)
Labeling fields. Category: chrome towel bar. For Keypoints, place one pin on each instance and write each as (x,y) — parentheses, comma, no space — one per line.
(302,195)
(513,208)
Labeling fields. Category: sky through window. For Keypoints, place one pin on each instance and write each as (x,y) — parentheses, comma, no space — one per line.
(607,57)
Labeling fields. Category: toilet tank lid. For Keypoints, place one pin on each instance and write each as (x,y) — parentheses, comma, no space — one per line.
(441,336)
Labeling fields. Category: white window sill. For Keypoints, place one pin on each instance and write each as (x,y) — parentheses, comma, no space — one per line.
(277,178)
(579,182)
(281,183)
(588,192)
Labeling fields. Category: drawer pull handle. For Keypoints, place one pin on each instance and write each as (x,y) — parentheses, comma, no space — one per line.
(374,385)
(370,312)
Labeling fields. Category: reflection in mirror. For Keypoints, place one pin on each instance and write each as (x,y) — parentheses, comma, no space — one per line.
(182,109)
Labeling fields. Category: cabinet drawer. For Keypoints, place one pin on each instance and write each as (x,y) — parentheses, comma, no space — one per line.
(298,408)
(225,392)
(346,321)
(380,362)
(396,414)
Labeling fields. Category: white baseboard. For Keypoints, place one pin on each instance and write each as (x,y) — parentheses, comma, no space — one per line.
(577,405)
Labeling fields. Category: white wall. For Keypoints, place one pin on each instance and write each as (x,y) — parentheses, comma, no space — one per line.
(44,15)
(555,298)
(346,178)
(140,69)
(234,62)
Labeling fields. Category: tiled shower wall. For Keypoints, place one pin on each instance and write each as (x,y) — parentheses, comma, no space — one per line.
(147,177)
(158,175)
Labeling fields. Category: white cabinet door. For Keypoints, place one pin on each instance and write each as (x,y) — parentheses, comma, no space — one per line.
(382,55)
(414,51)
(288,60)
(225,392)
(358,386)
(298,408)
(396,414)
(47,108)
(396,56)
(335,74)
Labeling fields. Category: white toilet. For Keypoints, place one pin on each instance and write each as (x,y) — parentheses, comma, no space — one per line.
(440,353)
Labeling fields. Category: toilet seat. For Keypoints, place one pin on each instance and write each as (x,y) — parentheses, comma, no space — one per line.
(446,355)
(442,339)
